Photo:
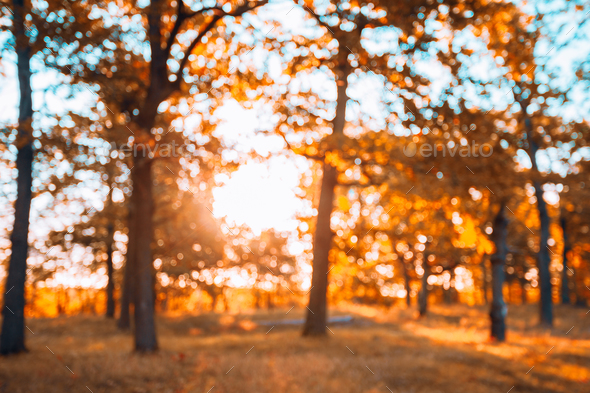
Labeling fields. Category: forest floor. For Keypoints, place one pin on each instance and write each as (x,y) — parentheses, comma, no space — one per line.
(379,351)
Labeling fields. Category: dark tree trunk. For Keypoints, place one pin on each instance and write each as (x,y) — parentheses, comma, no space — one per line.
(579,289)
(65,302)
(523,283)
(546,306)
(12,338)
(110,273)
(142,198)
(33,299)
(145,329)
(499,310)
(484,283)
(543,259)
(225,297)
(269,304)
(450,292)
(165,299)
(447,295)
(565,290)
(257,299)
(128,275)
(407,283)
(423,296)
(509,281)
(316,318)
(59,304)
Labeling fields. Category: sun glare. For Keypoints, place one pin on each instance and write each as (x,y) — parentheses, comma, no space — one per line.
(260,195)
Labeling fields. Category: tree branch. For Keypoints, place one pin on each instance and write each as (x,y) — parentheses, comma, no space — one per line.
(317,18)
(180,17)
(204,30)
(219,14)
(183,16)
(290,147)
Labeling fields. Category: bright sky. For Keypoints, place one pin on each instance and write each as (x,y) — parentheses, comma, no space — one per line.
(260,195)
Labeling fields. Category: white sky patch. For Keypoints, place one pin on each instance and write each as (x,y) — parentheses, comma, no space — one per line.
(238,129)
(260,195)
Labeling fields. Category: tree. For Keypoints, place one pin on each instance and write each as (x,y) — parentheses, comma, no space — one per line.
(176,33)
(575,225)
(498,259)
(124,321)
(97,231)
(565,291)
(42,35)
(343,25)
(537,130)
(546,302)
(12,338)
(158,90)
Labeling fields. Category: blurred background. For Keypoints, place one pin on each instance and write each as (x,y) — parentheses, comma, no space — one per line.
(319,195)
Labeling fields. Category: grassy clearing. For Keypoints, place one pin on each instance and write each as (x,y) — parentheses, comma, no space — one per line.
(380,351)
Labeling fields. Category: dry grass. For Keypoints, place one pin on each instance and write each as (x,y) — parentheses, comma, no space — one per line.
(380,351)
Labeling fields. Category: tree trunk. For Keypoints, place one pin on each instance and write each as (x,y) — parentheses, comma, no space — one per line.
(447,294)
(128,275)
(509,281)
(523,283)
(316,318)
(145,329)
(164,302)
(226,302)
(257,299)
(565,290)
(66,300)
(407,283)
(269,301)
(579,289)
(423,296)
(110,289)
(450,293)
(141,174)
(59,304)
(546,306)
(110,273)
(543,259)
(315,322)
(33,299)
(499,310)
(484,283)
(12,338)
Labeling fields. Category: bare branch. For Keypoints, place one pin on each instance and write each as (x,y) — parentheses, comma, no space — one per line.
(294,150)
(204,30)
(317,18)
(219,13)
(180,17)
